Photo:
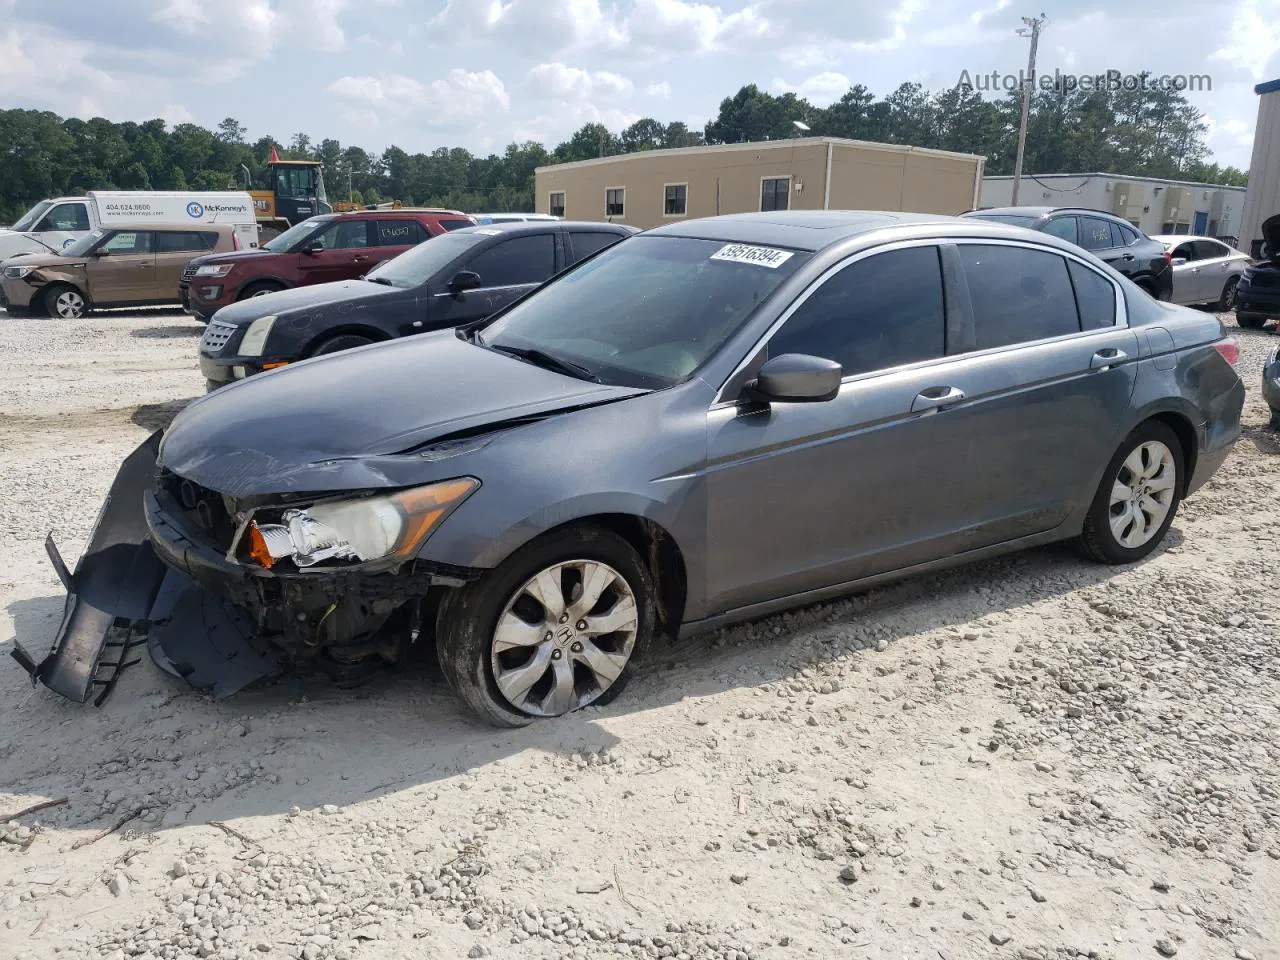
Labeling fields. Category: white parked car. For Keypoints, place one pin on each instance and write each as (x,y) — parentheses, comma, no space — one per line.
(53,224)
(1204,270)
(483,218)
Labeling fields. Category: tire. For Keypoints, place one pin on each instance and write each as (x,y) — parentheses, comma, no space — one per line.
(468,620)
(64,302)
(1228,299)
(259,290)
(343,341)
(1250,321)
(1157,454)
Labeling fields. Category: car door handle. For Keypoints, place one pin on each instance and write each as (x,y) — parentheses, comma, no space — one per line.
(359,258)
(934,399)
(1106,358)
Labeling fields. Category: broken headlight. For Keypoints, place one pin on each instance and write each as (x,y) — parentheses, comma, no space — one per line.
(17,273)
(390,526)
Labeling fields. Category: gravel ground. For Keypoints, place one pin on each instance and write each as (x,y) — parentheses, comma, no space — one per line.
(1034,757)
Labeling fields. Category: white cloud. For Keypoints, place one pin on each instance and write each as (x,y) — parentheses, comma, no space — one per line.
(462,96)
(821,89)
(553,128)
(259,26)
(660,90)
(1253,40)
(550,25)
(556,81)
(677,26)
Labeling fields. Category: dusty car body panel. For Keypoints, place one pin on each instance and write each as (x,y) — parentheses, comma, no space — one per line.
(739,494)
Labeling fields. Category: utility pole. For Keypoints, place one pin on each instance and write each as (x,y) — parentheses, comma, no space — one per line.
(1032,30)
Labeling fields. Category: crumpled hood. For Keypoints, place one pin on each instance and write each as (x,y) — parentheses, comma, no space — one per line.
(350,293)
(346,421)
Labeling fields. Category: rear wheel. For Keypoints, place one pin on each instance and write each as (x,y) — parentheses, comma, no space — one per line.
(1228,299)
(343,341)
(1138,497)
(259,290)
(553,629)
(65,303)
(1250,321)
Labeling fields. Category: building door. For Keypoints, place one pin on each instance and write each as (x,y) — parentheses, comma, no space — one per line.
(1202,221)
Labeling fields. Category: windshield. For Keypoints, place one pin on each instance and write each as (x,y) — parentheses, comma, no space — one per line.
(31,216)
(298,231)
(647,312)
(1016,219)
(83,245)
(419,264)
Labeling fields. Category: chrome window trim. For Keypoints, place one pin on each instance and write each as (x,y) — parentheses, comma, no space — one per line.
(1122,314)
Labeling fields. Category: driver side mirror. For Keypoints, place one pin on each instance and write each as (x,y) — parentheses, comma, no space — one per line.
(796,378)
(311,249)
(464,280)
(1177,261)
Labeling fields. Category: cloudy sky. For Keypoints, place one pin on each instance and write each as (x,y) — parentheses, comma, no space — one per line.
(481,73)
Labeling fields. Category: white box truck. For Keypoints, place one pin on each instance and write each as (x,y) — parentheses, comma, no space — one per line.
(53,224)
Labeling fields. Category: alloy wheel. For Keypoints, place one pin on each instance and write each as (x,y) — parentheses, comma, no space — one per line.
(564,637)
(1142,494)
(69,305)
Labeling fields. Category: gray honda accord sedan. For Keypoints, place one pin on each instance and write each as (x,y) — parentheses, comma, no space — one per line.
(707,422)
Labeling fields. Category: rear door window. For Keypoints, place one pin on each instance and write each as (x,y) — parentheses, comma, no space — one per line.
(520,260)
(1018,294)
(1095,297)
(1095,233)
(1064,227)
(174,241)
(398,233)
(587,242)
(1209,250)
(880,312)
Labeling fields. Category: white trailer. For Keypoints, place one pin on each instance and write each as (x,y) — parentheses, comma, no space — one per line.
(56,223)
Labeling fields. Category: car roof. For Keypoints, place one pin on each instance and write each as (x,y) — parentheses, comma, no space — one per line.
(1182,238)
(1043,212)
(398,212)
(812,229)
(540,226)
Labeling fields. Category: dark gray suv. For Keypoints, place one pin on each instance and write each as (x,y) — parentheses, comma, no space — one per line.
(707,422)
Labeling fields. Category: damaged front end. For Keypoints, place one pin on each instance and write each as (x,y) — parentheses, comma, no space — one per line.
(228,592)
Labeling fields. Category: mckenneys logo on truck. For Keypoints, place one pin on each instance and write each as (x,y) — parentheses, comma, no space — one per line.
(195,209)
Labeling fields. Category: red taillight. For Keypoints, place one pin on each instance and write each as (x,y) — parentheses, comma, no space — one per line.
(1168,257)
(1229,349)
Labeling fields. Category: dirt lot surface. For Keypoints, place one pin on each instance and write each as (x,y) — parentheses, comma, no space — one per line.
(1035,757)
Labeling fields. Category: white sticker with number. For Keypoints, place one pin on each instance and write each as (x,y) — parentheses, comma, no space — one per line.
(760,256)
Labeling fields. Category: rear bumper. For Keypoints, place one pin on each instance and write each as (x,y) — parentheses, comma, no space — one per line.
(1260,301)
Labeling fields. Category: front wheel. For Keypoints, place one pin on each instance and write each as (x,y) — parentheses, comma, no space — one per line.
(553,629)
(344,341)
(1138,497)
(65,303)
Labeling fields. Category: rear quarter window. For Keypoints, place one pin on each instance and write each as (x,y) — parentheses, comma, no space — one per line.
(398,233)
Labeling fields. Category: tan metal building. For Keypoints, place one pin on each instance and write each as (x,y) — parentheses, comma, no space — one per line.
(1263,197)
(653,187)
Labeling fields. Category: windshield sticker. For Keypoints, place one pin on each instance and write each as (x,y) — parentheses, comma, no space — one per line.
(760,256)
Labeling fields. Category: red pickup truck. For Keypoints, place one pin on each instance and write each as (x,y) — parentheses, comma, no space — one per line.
(335,246)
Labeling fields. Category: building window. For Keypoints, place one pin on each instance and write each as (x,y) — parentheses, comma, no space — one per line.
(775,193)
(614,201)
(555,206)
(674,197)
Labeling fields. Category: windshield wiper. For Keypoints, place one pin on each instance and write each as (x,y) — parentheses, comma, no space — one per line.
(543,359)
(382,280)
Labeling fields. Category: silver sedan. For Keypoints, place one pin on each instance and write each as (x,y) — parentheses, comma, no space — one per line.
(1204,270)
